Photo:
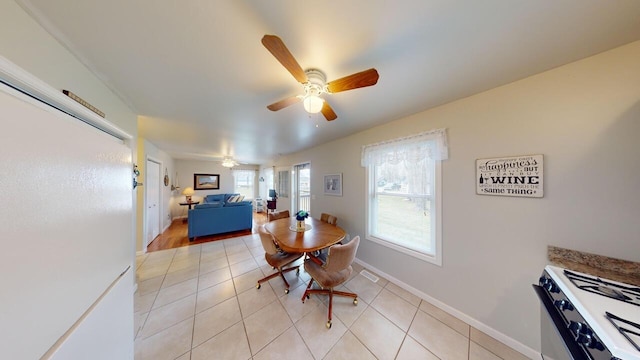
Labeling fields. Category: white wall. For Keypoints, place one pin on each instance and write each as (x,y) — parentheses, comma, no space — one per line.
(584,117)
(27,44)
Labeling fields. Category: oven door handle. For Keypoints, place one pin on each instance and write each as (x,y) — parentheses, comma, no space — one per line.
(561,326)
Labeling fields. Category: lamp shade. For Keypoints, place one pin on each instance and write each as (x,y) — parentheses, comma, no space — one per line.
(313,104)
(272,193)
(187,192)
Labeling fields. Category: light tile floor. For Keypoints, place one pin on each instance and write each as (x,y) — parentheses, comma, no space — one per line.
(201,302)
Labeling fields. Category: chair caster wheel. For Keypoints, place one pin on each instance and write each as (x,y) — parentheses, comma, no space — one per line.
(258,286)
(329,324)
(355,301)
(286,291)
(298,271)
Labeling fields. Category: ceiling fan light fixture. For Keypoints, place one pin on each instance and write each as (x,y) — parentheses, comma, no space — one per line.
(313,104)
(228,163)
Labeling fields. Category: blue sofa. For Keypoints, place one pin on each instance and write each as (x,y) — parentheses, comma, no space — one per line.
(217,214)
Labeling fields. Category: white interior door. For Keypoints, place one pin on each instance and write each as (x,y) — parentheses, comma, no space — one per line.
(152,186)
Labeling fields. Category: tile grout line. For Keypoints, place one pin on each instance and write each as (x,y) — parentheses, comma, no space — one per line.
(195,306)
(235,290)
(406,335)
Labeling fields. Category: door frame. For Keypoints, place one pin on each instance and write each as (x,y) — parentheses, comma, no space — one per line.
(145,216)
(295,186)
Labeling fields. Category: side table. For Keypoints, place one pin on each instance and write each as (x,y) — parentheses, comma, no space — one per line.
(189,204)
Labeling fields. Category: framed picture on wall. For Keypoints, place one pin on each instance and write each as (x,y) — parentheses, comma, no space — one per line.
(333,184)
(206,181)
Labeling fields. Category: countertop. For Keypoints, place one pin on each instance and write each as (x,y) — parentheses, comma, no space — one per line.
(609,268)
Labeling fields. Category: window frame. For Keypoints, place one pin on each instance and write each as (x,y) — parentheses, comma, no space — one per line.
(436,258)
(252,181)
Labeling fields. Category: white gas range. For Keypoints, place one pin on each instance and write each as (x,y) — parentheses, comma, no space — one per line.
(594,318)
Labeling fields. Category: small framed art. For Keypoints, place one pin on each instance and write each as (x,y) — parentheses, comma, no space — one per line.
(333,184)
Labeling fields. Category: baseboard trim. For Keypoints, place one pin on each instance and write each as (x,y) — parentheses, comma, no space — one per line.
(512,343)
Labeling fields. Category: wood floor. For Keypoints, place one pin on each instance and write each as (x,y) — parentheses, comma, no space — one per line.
(176,235)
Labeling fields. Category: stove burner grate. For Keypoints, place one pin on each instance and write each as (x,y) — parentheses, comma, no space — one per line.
(598,286)
(627,333)
(610,292)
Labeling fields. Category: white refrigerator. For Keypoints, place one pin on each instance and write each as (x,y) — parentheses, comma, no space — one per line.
(66,276)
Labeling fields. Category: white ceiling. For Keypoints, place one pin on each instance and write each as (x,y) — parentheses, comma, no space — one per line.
(199,77)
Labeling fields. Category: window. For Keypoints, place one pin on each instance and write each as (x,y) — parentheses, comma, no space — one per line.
(403,207)
(268,181)
(283,184)
(244,182)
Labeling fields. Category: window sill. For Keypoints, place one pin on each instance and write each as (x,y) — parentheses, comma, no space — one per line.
(433,259)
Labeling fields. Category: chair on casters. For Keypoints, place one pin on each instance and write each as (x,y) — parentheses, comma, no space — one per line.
(333,273)
(328,218)
(277,259)
(278,215)
(321,254)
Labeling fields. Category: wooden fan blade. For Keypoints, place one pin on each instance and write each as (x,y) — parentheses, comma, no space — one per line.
(277,48)
(354,81)
(283,103)
(328,112)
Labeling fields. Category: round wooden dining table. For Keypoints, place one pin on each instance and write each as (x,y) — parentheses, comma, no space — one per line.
(319,235)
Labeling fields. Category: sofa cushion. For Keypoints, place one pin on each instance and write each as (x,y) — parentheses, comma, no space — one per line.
(207,205)
(235,199)
(214,198)
(239,203)
(227,196)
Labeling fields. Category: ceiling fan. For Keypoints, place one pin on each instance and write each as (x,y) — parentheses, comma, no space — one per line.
(314,81)
(228,162)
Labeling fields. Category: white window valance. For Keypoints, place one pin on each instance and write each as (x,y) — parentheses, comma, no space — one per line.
(426,145)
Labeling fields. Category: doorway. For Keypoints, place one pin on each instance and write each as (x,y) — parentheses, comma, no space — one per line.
(301,187)
(152,201)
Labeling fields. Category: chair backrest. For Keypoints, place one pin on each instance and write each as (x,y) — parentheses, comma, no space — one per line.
(341,256)
(328,218)
(278,215)
(268,243)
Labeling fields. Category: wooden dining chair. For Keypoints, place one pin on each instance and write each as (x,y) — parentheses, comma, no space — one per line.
(333,273)
(277,258)
(278,215)
(328,218)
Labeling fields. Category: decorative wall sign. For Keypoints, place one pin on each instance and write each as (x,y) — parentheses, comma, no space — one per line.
(519,176)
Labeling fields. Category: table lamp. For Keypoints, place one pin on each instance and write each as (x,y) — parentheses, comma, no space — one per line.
(188,192)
